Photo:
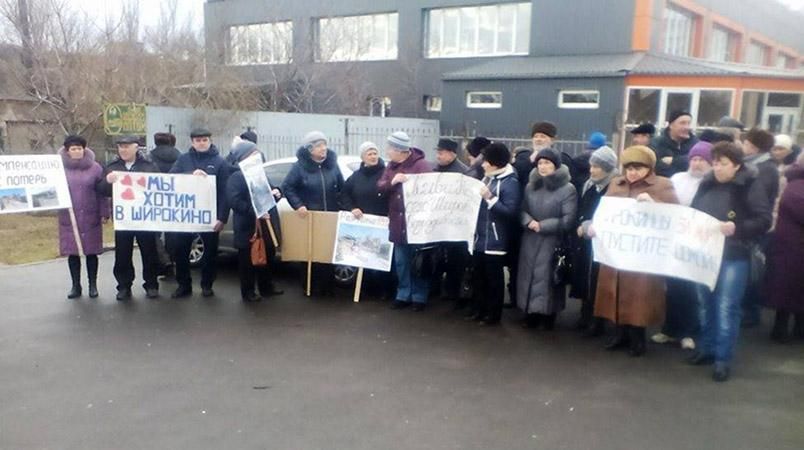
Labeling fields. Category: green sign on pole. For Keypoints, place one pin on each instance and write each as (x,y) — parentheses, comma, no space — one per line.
(124,118)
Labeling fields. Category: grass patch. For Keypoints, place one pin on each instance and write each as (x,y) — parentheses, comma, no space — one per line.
(26,238)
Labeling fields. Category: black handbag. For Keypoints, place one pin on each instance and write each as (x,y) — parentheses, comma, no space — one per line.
(424,261)
(561,263)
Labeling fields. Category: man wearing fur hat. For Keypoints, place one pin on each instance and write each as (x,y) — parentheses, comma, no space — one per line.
(673,145)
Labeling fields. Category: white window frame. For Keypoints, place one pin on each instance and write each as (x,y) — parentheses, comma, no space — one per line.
(234,56)
(476,44)
(363,39)
(493,105)
(696,96)
(565,105)
(730,44)
(763,53)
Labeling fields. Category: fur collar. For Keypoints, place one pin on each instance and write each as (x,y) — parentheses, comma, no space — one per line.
(552,182)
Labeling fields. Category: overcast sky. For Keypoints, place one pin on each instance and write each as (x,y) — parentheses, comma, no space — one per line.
(149,9)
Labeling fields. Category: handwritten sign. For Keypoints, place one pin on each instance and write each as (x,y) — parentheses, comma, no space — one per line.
(164,202)
(32,183)
(441,207)
(262,200)
(363,242)
(657,238)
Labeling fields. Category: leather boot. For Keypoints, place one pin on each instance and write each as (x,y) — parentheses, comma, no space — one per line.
(619,340)
(638,342)
(780,333)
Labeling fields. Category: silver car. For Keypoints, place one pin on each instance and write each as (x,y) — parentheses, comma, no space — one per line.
(276,171)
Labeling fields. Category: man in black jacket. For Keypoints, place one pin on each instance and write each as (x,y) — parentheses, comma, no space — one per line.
(202,159)
(673,145)
(453,257)
(130,160)
(164,155)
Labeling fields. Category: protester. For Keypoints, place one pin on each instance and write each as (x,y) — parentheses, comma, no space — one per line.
(202,159)
(129,159)
(643,134)
(404,160)
(249,136)
(631,300)
(756,149)
(671,147)
(90,209)
(361,196)
(783,154)
(453,257)
(733,194)
(244,226)
(785,288)
(548,212)
(475,149)
(602,169)
(681,318)
(314,183)
(581,160)
(498,211)
(542,135)
(164,155)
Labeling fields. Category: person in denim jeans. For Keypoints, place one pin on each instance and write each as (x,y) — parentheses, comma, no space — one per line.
(731,194)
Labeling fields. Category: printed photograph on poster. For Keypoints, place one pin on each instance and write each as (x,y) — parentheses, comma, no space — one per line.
(45,197)
(363,242)
(13,199)
(262,200)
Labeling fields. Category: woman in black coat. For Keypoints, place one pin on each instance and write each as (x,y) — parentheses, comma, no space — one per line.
(361,196)
(602,168)
(245,225)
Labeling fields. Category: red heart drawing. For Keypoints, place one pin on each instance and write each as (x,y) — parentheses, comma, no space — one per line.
(126,180)
(141,181)
(128,194)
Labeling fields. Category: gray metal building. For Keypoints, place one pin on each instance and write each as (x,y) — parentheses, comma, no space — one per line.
(494,67)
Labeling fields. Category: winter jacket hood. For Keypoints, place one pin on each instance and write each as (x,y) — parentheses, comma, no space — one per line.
(164,156)
(84,163)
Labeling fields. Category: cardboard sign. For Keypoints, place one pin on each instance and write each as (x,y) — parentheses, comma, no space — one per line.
(308,239)
(441,207)
(164,202)
(262,200)
(658,238)
(33,183)
(363,242)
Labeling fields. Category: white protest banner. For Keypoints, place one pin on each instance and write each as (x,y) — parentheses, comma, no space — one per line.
(658,238)
(441,207)
(32,183)
(258,187)
(164,202)
(363,242)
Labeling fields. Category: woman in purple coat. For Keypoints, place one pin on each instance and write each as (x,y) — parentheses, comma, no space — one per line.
(784,287)
(91,210)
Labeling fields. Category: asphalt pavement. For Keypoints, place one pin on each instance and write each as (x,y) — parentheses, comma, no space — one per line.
(326,373)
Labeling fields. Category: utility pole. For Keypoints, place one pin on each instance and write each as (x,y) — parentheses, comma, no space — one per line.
(25,33)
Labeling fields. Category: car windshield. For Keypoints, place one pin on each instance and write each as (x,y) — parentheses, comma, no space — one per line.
(276,173)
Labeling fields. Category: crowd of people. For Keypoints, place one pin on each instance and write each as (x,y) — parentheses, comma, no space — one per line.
(535,221)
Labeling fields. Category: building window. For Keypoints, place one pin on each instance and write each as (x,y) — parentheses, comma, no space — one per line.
(722,45)
(264,43)
(485,99)
(756,54)
(643,106)
(579,99)
(358,38)
(432,103)
(712,106)
(679,31)
(380,107)
(783,61)
(491,30)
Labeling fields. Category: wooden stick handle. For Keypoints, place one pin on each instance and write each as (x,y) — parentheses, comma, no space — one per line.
(309,251)
(358,285)
(272,232)
(76,233)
